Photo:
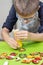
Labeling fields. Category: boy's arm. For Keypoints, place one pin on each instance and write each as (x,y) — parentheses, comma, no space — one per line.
(29,35)
(11,19)
(8,26)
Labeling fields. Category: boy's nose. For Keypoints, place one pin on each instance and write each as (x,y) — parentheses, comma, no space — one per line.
(26,21)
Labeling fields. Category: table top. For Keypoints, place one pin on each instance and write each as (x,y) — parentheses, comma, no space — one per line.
(29,46)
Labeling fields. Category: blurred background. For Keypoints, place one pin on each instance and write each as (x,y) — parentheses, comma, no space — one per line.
(5,6)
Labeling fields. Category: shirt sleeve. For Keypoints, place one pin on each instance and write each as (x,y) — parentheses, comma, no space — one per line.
(40,30)
(11,19)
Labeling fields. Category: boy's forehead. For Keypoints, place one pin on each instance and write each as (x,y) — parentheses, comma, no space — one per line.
(25,7)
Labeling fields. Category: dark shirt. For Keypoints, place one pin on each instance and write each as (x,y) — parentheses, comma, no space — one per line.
(12,19)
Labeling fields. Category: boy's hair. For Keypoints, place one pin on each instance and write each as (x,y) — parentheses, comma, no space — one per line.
(26,7)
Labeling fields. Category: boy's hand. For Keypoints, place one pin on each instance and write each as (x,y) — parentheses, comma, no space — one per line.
(21,35)
(12,43)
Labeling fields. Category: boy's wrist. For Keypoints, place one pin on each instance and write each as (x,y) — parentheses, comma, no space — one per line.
(29,35)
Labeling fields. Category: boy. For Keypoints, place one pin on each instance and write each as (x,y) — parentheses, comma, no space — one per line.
(27,15)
